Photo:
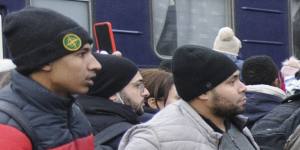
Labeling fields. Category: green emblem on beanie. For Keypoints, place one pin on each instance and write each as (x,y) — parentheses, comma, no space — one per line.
(72,42)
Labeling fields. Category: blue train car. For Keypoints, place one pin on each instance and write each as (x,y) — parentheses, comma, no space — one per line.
(148,31)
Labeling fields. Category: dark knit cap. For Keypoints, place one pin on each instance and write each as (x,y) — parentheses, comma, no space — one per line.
(198,69)
(37,36)
(260,69)
(115,74)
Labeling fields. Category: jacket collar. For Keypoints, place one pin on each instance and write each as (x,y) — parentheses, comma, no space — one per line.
(267,89)
(38,95)
(103,106)
(239,120)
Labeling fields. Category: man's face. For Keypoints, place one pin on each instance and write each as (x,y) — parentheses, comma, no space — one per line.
(135,93)
(73,73)
(228,98)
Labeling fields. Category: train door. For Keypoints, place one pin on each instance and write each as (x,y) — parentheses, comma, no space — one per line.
(263,27)
(149,31)
(131,23)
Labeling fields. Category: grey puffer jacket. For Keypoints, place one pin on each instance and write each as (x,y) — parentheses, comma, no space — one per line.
(177,127)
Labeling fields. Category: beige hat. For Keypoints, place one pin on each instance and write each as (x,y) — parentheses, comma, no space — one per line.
(290,66)
(226,41)
(6,65)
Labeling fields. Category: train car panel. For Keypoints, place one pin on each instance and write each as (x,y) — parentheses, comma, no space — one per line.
(263,27)
(131,26)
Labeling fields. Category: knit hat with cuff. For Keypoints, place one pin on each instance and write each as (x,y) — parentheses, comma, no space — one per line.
(197,69)
(115,74)
(38,36)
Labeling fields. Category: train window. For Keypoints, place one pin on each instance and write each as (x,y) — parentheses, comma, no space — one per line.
(78,10)
(179,22)
(295,15)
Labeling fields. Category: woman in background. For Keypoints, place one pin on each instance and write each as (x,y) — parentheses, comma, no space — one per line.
(161,87)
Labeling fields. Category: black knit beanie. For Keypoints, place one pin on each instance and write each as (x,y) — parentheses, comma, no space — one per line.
(198,69)
(115,74)
(37,36)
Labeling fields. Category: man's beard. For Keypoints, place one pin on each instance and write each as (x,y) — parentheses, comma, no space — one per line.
(222,110)
(138,109)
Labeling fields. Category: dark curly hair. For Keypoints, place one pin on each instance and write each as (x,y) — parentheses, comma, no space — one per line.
(259,69)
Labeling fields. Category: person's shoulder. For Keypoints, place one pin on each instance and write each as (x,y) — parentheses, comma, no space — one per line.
(7,93)
(139,137)
(276,118)
(168,116)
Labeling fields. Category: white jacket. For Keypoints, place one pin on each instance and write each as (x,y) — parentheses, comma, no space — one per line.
(177,127)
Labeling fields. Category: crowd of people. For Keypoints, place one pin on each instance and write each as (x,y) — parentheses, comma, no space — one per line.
(58,94)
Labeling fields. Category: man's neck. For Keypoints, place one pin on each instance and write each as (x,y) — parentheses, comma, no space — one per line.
(205,112)
(44,81)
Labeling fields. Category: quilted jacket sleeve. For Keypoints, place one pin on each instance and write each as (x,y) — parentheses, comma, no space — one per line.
(138,138)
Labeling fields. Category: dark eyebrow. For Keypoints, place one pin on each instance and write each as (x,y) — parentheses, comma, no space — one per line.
(139,81)
(235,76)
(83,49)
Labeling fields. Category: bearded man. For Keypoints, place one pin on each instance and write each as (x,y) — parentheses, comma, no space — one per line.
(206,118)
(115,101)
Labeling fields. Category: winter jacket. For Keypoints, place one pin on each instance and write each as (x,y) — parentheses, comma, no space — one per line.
(103,113)
(272,131)
(57,121)
(292,85)
(261,99)
(177,126)
(293,142)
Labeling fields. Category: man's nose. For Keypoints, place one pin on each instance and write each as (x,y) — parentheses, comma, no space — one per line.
(145,93)
(242,87)
(94,64)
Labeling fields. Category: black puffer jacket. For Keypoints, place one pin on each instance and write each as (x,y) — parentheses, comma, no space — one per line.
(258,105)
(272,131)
(57,121)
(103,113)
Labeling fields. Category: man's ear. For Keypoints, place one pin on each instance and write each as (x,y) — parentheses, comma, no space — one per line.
(47,67)
(276,83)
(204,96)
(113,98)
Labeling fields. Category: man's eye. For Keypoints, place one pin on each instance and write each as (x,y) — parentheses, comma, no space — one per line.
(231,81)
(81,54)
(137,85)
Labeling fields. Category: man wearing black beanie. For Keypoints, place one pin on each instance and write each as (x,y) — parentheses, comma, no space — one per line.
(53,61)
(115,101)
(206,117)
